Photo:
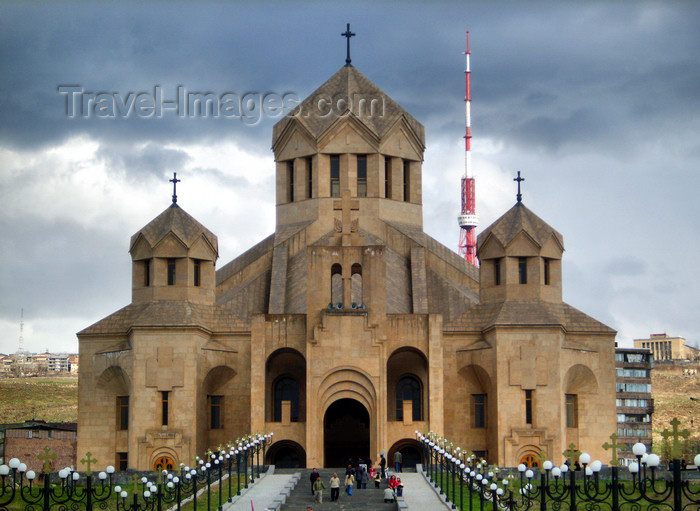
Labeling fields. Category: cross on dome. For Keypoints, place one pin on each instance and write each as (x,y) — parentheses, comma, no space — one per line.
(519,180)
(347,34)
(175,181)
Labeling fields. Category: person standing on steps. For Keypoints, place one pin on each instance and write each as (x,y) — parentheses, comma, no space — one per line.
(382,465)
(364,479)
(318,488)
(335,487)
(398,461)
(349,481)
(312,477)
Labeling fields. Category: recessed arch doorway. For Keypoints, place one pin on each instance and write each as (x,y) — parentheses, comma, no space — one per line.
(345,432)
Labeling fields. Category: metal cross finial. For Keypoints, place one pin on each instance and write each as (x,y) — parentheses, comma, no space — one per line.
(47,457)
(674,434)
(88,460)
(519,180)
(615,447)
(347,34)
(175,181)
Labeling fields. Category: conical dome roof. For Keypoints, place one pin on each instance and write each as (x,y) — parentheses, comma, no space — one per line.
(177,221)
(316,115)
(516,220)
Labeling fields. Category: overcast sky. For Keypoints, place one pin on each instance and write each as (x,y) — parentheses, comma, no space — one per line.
(597,104)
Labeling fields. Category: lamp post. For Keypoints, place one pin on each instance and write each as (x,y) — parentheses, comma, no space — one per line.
(237,452)
(453,463)
(462,466)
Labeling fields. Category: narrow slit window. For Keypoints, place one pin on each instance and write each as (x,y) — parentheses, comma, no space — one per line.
(215,412)
(335,175)
(406,180)
(571,411)
(165,397)
(123,412)
(528,407)
(309,178)
(479,410)
(362,175)
(290,181)
(171,272)
(522,270)
(387,177)
(197,272)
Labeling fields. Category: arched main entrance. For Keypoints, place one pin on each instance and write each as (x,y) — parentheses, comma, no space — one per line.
(345,432)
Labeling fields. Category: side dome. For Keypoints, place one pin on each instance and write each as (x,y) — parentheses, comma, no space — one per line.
(173,258)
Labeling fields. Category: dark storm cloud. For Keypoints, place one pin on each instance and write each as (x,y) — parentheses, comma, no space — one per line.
(57,256)
(151,159)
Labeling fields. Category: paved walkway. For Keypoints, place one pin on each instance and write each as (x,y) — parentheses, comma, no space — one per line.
(262,493)
(419,494)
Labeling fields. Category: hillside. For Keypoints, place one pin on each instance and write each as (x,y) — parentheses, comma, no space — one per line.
(672,392)
(52,399)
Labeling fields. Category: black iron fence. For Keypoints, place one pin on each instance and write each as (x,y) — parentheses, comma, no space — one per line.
(215,478)
(469,483)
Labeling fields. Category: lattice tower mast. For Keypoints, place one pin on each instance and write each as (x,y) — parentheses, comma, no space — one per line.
(468,220)
(20,349)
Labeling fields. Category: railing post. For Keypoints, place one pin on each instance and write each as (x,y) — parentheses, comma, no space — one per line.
(88,503)
(572,489)
(47,492)
(238,472)
(677,491)
(543,490)
(615,488)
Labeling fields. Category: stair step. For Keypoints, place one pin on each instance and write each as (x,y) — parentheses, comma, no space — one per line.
(369,499)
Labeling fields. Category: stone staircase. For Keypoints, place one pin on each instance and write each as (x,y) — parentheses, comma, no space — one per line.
(370,499)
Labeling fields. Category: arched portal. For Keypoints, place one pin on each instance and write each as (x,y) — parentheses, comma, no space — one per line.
(345,432)
(286,454)
(411,453)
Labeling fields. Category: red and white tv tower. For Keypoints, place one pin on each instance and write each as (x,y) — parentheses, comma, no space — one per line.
(467,218)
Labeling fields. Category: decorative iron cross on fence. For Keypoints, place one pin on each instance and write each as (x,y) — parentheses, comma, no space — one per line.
(47,457)
(674,434)
(615,447)
(571,452)
(88,460)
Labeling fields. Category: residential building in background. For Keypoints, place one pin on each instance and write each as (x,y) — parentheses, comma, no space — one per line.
(633,399)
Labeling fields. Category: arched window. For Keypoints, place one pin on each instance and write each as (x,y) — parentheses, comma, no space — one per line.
(408,388)
(356,283)
(336,284)
(286,388)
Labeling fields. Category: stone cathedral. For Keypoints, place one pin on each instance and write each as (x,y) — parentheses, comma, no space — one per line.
(349,327)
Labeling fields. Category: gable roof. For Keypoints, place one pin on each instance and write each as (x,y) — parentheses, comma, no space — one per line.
(166,313)
(516,220)
(350,83)
(527,313)
(176,220)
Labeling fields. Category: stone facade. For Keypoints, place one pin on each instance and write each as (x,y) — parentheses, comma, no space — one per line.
(349,328)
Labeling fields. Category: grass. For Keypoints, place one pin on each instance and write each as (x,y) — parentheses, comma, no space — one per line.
(52,399)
